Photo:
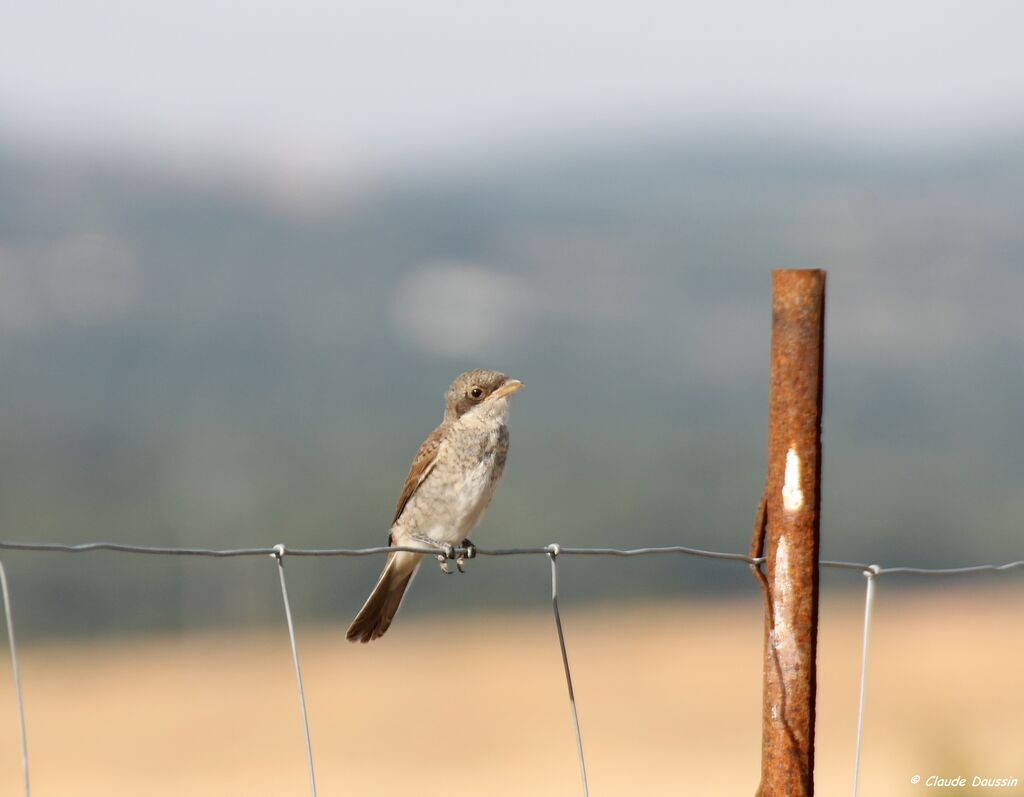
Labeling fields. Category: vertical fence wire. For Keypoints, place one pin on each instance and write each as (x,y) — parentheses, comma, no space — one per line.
(17,678)
(871,575)
(554,550)
(279,552)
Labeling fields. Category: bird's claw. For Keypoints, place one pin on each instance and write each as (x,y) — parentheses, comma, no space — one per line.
(442,558)
(470,553)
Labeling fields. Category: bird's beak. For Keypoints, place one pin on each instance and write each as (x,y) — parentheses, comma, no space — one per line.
(509,387)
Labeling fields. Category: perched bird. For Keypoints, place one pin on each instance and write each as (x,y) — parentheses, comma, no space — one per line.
(450,484)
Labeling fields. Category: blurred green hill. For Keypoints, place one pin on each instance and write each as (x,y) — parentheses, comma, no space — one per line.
(193,359)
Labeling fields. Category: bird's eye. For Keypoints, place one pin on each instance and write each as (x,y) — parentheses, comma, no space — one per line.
(476,392)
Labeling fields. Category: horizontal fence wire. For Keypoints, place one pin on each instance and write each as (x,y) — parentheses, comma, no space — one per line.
(553,551)
(279,549)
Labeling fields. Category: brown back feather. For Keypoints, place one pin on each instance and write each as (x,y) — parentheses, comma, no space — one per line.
(422,464)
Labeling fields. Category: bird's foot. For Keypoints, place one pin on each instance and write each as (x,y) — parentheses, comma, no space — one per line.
(442,558)
(470,553)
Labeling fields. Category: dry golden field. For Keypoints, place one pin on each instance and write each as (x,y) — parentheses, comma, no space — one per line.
(668,698)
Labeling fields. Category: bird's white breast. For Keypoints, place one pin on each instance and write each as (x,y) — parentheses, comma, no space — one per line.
(477,485)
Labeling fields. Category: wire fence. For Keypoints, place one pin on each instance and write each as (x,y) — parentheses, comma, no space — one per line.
(279,552)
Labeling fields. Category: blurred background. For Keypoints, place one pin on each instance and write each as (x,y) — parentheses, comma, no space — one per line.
(244,249)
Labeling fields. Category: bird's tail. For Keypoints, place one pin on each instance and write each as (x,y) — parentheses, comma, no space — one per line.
(381,607)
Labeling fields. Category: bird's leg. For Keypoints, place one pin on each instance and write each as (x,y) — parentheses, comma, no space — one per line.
(442,558)
(470,553)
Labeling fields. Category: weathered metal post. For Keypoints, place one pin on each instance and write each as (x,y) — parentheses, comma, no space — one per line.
(786,533)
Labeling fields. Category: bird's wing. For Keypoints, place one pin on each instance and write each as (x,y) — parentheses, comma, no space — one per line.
(422,464)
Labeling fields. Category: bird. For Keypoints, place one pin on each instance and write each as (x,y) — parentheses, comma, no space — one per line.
(451,482)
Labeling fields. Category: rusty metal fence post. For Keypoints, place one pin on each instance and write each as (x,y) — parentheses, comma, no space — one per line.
(786,533)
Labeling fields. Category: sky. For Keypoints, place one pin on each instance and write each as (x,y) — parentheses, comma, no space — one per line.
(338,88)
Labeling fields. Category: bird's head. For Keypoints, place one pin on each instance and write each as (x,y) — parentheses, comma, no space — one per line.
(479,391)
